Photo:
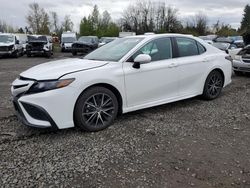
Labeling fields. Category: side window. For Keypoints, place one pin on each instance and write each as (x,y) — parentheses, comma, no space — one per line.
(187,47)
(158,49)
(201,48)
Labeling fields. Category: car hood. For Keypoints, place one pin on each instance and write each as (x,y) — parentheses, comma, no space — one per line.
(6,44)
(56,69)
(83,43)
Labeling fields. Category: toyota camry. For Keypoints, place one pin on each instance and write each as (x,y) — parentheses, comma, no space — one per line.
(125,75)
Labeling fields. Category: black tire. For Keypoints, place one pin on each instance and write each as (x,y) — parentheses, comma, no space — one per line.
(238,73)
(96,109)
(48,54)
(62,50)
(28,54)
(74,53)
(213,85)
(16,54)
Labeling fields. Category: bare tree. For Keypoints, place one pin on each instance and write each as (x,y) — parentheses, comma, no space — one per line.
(201,23)
(54,22)
(146,16)
(106,19)
(38,19)
(67,24)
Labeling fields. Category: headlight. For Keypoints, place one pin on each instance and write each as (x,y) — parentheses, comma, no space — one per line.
(237,57)
(42,86)
(12,47)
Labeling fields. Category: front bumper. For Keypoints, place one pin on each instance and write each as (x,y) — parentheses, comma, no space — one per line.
(33,115)
(239,65)
(49,109)
(6,53)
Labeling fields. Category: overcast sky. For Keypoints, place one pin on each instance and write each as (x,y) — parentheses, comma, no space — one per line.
(228,11)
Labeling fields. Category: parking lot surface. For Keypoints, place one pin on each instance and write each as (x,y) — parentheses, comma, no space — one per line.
(191,143)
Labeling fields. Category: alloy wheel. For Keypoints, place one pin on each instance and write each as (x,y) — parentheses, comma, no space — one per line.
(98,110)
(215,85)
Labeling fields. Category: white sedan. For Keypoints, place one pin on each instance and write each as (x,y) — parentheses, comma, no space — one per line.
(125,75)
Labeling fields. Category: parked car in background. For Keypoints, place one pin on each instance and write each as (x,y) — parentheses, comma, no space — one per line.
(241,61)
(125,75)
(126,34)
(10,45)
(22,40)
(67,39)
(106,40)
(206,39)
(39,45)
(224,46)
(85,45)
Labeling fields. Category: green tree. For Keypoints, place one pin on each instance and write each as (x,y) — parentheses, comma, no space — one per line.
(86,27)
(245,23)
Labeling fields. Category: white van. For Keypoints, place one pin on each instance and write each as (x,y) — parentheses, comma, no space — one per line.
(67,40)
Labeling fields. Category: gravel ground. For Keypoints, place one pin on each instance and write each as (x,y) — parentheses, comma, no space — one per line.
(191,143)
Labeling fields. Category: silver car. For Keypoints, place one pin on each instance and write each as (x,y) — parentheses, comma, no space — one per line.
(241,62)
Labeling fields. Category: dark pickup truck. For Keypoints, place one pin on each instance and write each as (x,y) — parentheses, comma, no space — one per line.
(85,45)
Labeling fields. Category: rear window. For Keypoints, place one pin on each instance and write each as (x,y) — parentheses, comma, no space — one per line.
(187,47)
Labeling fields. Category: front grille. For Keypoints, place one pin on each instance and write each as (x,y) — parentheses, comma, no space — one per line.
(244,69)
(20,86)
(4,48)
(35,112)
(246,60)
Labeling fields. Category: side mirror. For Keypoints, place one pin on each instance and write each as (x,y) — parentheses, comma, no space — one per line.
(17,42)
(141,59)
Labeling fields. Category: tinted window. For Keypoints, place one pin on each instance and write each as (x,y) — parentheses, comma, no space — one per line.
(187,47)
(158,49)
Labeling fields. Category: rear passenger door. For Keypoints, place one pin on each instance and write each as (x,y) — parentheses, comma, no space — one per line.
(192,65)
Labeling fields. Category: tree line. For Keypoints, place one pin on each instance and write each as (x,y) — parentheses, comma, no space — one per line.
(141,17)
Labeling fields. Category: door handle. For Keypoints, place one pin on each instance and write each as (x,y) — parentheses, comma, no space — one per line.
(205,60)
(172,65)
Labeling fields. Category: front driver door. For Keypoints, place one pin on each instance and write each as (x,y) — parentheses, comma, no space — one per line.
(154,82)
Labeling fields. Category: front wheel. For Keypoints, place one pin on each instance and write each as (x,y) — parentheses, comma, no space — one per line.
(95,109)
(74,53)
(213,85)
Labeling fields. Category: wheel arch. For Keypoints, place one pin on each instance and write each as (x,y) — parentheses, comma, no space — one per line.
(111,88)
(221,72)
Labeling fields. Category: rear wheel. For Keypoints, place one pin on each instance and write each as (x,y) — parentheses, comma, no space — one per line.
(213,85)
(74,53)
(96,109)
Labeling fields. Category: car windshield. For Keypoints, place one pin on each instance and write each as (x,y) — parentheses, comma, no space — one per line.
(86,39)
(221,46)
(114,50)
(68,39)
(37,38)
(6,38)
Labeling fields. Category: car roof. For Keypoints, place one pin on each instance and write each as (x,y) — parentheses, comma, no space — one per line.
(151,36)
(7,34)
